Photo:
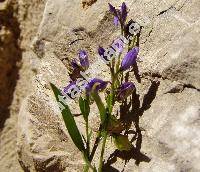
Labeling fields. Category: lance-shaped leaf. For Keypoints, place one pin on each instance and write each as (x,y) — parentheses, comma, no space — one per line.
(69,121)
(84,107)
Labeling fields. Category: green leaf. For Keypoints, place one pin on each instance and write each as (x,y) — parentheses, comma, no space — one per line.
(100,105)
(69,120)
(84,107)
(122,143)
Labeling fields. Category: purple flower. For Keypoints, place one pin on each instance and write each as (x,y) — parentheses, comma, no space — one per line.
(125,90)
(124,12)
(112,9)
(129,59)
(71,90)
(67,88)
(83,57)
(120,15)
(96,85)
(116,21)
(102,53)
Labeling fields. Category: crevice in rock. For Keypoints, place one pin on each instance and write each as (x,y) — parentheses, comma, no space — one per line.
(191,87)
(165,11)
(183,5)
(87,3)
(10,56)
(152,75)
(180,88)
(176,89)
(76,40)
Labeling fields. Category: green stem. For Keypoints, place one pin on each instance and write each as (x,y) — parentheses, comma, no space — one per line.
(102,152)
(88,139)
(88,164)
(118,62)
(86,168)
(100,106)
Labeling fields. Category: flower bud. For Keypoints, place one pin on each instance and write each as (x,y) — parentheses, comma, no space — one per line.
(129,59)
(112,9)
(124,12)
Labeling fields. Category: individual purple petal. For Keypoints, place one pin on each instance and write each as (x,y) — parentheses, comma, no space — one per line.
(72,90)
(96,85)
(129,59)
(83,57)
(112,9)
(124,12)
(125,90)
(116,21)
(69,87)
(102,53)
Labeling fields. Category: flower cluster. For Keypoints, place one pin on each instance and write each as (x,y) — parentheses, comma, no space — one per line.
(119,58)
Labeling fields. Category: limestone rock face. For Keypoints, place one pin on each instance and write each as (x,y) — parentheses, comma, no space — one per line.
(19,22)
(167,102)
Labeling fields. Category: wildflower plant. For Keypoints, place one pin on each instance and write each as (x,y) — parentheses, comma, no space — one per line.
(119,57)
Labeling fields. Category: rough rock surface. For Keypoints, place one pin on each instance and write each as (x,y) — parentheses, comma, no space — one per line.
(10,54)
(19,22)
(167,103)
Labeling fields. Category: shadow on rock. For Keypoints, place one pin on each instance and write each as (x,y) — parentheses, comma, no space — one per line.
(130,113)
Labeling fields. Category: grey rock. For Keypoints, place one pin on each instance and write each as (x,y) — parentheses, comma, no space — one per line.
(167,124)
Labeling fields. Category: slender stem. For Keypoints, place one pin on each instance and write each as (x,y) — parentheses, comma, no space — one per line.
(95,145)
(88,139)
(100,106)
(86,168)
(102,152)
(118,62)
(88,164)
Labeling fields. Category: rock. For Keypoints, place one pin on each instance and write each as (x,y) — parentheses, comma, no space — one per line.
(43,144)
(165,125)
(18,23)
(172,124)
(10,54)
